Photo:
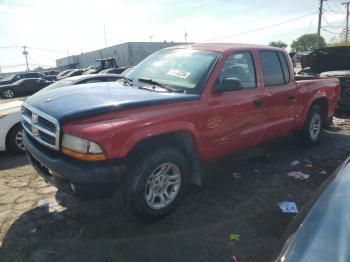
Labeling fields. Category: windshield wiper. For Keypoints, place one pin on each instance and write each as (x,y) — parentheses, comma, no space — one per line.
(152,82)
(127,80)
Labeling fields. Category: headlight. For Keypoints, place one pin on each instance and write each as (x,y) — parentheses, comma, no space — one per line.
(82,148)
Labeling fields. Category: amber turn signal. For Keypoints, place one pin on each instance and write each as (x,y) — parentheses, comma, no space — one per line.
(83,156)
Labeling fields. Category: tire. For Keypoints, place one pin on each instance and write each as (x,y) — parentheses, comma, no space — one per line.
(312,131)
(8,93)
(14,140)
(157,184)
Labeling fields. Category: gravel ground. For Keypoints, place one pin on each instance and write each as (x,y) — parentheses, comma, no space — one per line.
(37,223)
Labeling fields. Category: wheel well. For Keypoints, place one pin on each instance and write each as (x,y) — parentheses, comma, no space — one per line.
(9,132)
(181,140)
(323,103)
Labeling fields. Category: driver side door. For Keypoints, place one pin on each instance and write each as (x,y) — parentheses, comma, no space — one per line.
(235,119)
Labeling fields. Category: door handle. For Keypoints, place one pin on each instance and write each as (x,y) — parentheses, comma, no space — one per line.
(257,102)
(291,97)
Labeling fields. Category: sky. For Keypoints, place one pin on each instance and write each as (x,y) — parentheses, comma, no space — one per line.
(53,29)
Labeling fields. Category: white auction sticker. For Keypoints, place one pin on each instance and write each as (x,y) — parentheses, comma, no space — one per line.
(178,73)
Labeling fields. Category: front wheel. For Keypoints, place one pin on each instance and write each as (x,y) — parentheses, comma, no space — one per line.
(311,133)
(157,184)
(15,140)
(8,93)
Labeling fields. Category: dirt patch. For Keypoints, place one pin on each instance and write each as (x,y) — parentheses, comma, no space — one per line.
(39,224)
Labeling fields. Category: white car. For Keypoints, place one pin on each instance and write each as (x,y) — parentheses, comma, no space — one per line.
(10,127)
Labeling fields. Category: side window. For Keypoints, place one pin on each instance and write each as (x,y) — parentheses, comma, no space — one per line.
(272,69)
(284,67)
(241,66)
(17,77)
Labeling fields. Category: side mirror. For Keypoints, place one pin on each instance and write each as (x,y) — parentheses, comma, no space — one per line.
(228,84)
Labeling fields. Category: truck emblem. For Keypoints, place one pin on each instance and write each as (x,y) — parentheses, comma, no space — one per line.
(35,118)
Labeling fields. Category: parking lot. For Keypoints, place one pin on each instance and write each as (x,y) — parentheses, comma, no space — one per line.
(40,224)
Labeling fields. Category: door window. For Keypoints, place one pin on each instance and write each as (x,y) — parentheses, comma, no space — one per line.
(241,66)
(272,68)
(285,67)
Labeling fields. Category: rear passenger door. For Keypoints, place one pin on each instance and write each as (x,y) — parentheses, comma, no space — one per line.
(279,97)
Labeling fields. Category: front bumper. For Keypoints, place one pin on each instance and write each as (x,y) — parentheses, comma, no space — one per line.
(71,175)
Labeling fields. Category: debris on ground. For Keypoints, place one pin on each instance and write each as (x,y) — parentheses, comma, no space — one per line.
(295,163)
(337,121)
(307,162)
(236,175)
(234,237)
(322,172)
(33,230)
(298,175)
(257,172)
(309,165)
(288,207)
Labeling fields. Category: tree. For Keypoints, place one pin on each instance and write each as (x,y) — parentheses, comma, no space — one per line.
(279,44)
(307,42)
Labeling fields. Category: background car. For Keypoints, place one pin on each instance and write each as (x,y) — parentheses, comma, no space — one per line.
(84,79)
(63,74)
(330,62)
(19,76)
(23,87)
(118,70)
(74,72)
(10,127)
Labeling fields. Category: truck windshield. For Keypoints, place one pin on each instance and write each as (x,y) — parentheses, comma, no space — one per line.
(97,65)
(179,68)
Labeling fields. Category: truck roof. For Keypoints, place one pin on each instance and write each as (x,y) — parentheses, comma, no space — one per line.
(224,47)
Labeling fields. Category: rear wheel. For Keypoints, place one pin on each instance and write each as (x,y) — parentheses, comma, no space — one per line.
(15,140)
(157,184)
(311,133)
(8,93)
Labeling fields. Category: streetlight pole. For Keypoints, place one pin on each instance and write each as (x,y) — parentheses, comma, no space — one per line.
(25,53)
(347,22)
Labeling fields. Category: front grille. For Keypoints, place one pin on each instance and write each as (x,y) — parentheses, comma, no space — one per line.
(40,126)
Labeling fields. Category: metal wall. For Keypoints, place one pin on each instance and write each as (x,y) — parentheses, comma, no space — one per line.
(127,54)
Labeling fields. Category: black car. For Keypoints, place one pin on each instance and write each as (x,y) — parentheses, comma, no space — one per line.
(330,62)
(19,76)
(321,232)
(21,87)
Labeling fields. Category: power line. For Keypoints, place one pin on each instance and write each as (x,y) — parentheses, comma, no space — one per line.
(11,46)
(258,29)
(47,50)
(326,30)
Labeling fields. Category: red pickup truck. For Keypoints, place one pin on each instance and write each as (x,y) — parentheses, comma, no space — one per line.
(151,131)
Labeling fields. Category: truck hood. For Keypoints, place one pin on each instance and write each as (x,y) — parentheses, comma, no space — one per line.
(328,59)
(79,101)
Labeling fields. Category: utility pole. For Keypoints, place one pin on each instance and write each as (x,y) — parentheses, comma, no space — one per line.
(104,33)
(347,22)
(25,53)
(151,38)
(185,37)
(319,24)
